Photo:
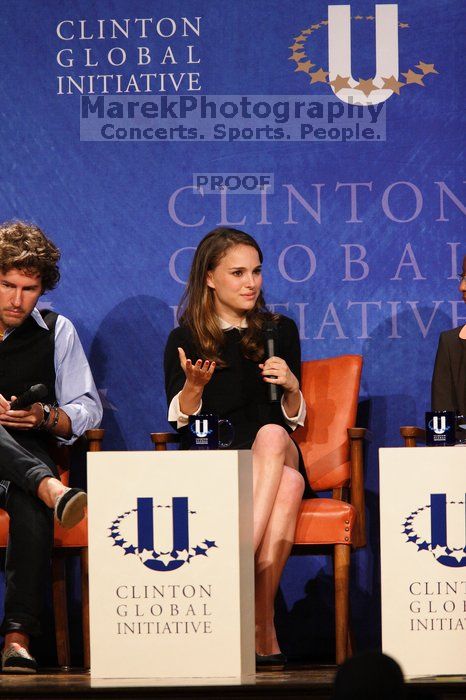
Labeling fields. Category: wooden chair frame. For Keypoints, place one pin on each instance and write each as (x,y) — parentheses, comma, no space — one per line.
(353,495)
(412,435)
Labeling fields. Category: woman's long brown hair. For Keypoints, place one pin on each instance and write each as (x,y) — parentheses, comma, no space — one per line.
(197,307)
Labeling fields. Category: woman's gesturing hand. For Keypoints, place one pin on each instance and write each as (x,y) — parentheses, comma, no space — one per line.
(280,374)
(197,374)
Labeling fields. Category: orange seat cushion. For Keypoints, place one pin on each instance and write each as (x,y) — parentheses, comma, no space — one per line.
(76,537)
(325,521)
(4,527)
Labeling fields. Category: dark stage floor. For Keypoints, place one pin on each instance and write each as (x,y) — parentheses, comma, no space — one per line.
(299,682)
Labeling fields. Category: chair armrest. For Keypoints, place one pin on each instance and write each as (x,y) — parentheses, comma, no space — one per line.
(94,439)
(161,440)
(357,499)
(411,434)
(359,434)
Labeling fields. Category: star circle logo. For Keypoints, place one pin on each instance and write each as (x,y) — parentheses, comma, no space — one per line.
(364,90)
(158,534)
(427,527)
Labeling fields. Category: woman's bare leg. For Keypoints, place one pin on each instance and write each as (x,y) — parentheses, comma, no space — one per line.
(280,514)
(269,452)
(272,556)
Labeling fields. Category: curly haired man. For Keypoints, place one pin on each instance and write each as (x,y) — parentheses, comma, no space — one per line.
(35,348)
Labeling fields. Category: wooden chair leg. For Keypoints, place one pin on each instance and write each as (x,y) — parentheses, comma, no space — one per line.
(351,646)
(342,553)
(85,606)
(60,608)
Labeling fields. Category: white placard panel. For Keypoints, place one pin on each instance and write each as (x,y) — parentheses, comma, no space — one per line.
(171,565)
(423,558)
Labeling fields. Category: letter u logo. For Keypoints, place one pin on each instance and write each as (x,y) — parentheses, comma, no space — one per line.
(386,51)
(439,424)
(201,428)
(451,542)
(180,542)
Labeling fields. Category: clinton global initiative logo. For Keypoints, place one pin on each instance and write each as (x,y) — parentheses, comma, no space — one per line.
(439,425)
(200,428)
(159,534)
(439,528)
(308,44)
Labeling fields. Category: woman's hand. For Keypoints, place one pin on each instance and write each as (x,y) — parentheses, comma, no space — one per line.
(284,377)
(276,371)
(198,374)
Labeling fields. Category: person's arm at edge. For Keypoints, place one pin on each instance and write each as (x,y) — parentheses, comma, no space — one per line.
(79,404)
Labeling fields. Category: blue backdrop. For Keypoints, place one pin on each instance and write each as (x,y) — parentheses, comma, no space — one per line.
(363,268)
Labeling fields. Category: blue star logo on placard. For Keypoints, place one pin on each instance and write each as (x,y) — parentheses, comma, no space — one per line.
(136,532)
(427,528)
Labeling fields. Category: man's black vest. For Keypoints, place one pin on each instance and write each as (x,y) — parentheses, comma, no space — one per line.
(27,357)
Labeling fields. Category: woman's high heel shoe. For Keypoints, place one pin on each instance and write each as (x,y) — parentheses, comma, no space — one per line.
(270,662)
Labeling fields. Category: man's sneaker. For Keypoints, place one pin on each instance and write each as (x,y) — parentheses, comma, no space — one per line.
(70,507)
(17,659)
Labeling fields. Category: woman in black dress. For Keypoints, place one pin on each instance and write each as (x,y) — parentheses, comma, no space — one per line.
(449,377)
(222,318)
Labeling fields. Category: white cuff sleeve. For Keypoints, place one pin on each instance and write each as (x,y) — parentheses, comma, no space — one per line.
(299,418)
(175,414)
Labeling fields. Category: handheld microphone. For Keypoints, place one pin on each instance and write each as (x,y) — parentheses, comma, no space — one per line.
(27,398)
(269,334)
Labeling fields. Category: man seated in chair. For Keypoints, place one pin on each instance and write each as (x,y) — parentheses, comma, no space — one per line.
(35,348)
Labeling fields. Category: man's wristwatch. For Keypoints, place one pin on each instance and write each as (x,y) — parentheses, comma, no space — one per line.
(46,411)
(55,419)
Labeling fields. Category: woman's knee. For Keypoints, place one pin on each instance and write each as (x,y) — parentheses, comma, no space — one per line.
(291,486)
(271,438)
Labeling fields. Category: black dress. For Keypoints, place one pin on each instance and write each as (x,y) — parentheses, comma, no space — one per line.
(449,377)
(236,391)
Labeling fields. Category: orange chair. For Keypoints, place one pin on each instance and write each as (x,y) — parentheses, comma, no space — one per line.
(333,454)
(66,543)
